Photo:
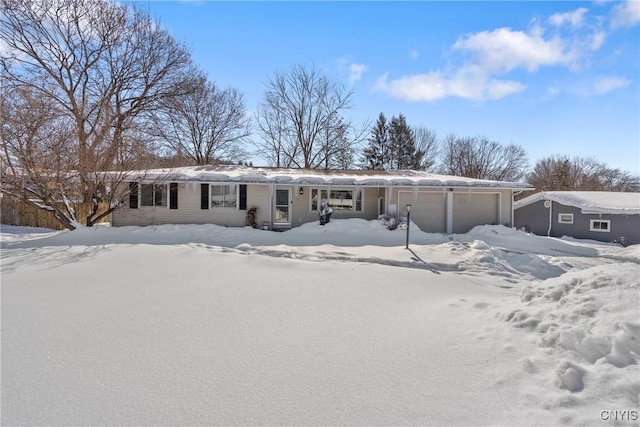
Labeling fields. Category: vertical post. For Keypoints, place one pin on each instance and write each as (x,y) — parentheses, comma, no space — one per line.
(408,224)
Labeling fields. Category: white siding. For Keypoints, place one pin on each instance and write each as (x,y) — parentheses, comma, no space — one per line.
(469,208)
(302,206)
(189,211)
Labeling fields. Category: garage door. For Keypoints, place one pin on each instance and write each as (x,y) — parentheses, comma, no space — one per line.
(471,209)
(428,210)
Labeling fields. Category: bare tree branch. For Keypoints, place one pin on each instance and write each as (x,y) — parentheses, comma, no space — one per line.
(300,119)
(101,65)
(480,158)
(206,125)
(562,173)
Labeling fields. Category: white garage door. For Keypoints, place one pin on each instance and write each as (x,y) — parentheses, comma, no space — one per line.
(428,210)
(471,209)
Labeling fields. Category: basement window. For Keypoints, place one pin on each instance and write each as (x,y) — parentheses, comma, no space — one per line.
(565,218)
(600,225)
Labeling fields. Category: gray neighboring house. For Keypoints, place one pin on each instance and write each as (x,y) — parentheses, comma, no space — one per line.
(287,198)
(597,215)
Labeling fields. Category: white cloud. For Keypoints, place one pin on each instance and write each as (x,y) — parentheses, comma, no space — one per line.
(573,19)
(350,69)
(597,40)
(552,91)
(626,14)
(497,89)
(608,84)
(503,50)
(566,40)
(467,83)
(355,72)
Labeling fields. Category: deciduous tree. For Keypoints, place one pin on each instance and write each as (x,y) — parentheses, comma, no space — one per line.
(477,157)
(102,65)
(426,148)
(563,173)
(301,118)
(206,125)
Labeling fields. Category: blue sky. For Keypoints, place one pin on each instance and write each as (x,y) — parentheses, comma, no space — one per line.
(555,77)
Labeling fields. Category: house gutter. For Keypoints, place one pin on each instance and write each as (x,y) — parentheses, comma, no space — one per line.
(550,216)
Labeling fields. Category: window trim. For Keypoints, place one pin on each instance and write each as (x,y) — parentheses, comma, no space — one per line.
(153,205)
(353,190)
(600,230)
(224,184)
(561,221)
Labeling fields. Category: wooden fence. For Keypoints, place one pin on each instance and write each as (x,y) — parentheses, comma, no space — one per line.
(17,212)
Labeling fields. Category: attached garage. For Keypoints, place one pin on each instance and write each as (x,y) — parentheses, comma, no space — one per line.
(287,198)
(471,209)
(428,209)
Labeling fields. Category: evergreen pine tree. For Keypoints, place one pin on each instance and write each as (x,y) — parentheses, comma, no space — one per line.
(375,154)
(402,150)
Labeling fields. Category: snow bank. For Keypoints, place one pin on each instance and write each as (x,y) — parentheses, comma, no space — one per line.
(233,173)
(588,324)
(14,233)
(333,325)
(605,202)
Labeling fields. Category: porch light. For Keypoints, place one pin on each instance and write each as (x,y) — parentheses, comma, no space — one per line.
(408,223)
(301,191)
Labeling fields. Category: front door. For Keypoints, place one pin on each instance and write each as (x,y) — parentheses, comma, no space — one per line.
(283,206)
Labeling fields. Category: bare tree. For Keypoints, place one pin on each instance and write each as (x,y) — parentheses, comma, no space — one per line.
(204,126)
(276,145)
(102,65)
(483,159)
(562,173)
(426,148)
(35,143)
(299,119)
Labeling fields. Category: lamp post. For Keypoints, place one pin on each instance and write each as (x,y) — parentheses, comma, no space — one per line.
(408,223)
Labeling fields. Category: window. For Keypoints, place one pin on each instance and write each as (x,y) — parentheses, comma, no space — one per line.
(317,196)
(224,196)
(601,225)
(565,218)
(133,195)
(339,199)
(153,195)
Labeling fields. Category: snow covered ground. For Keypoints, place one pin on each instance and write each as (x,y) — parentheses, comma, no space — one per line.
(333,325)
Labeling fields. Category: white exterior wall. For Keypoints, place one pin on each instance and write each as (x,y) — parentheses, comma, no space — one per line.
(431,210)
(189,211)
(302,205)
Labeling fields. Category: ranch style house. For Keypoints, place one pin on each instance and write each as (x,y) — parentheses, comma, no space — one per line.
(287,198)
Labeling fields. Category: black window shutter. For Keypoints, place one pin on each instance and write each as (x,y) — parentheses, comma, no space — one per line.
(243,197)
(133,195)
(173,195)
(204,196)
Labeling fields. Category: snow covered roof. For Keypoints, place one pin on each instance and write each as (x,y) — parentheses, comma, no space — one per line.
(606,202)
(246,174)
